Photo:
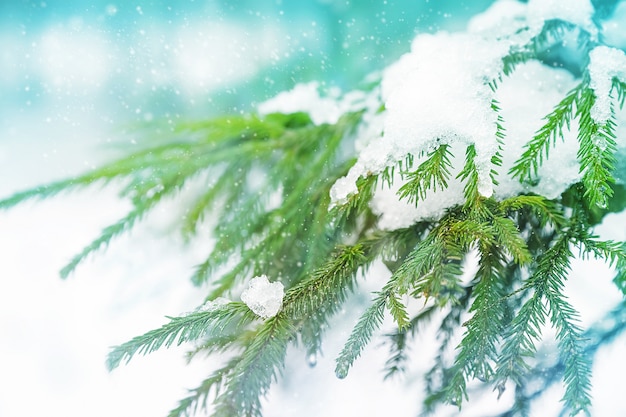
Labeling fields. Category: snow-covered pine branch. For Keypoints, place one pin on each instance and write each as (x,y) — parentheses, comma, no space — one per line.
(480,144)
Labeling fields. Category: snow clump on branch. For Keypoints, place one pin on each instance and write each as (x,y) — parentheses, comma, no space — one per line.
(263,297)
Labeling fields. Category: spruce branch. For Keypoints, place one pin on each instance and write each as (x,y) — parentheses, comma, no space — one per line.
(477,352)
(596,152)
(469,174)
(181,329)
(547,283)
(620,88)
(433,173)
(258,366)
(361,335)
(500,135)
(538,148)
(547,211)
(199,396)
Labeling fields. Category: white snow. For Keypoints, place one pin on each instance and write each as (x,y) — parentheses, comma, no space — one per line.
(578,12)
(437,94)
(305,98)
(525,98)
(322,109)
(506,17)
(605,63)
(534,83)
(213,305)
(501,18)
(263,297)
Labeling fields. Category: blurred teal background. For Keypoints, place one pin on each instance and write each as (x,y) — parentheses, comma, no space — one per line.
(75,75)
(152,58)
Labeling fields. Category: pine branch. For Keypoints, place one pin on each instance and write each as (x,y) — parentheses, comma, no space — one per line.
(225,184)
(596,153)
(329,285)
(477,351)
(362,333)
(398,355)
(398,311)
(614,253)
(198,397)
(547,282)
(216,343)
(577,375)
(539,146)
(357,204)
(438,378)
(109,233)
(181,329)
(500,135)
(547,211)
(509,239)
(314,300)
(525,329)
(258,366)
(262,360)
(433,173)
(620,88)
(469,174)
(398,341)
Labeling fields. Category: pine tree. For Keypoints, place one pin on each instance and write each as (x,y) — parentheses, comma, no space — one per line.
(295,202)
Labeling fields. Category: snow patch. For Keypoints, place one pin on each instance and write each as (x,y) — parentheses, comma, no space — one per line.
(578,12)
(437,94)
(508,17)
(525,97)
(263,297)
(501,18)
(605,64)
(306,98)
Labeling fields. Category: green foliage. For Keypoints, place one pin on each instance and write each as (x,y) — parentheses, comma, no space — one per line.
(433,173)
(265,185)
(539,147)
(179,330)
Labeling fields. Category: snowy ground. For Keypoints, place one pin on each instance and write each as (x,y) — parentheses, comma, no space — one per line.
(55,334)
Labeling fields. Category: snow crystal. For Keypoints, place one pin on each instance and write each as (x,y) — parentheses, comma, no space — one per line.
(605,63)
(264,298)
(306,98)
(437,94)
